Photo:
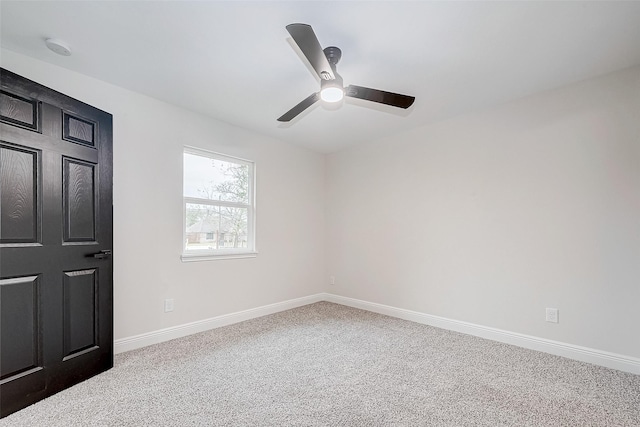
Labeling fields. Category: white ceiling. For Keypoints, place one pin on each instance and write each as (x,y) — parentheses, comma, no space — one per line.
(235,61)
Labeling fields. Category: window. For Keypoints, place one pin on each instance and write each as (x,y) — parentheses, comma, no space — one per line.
(219,209)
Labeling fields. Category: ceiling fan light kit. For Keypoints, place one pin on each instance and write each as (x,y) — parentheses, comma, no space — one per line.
(331,92)
(331,87)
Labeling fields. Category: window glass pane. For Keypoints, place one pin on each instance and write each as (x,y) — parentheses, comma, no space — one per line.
(215,227)
(214,179)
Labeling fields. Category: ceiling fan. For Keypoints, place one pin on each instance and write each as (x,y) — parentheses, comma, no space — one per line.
(331,90)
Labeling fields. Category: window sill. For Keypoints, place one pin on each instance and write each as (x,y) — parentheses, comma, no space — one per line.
(214,257)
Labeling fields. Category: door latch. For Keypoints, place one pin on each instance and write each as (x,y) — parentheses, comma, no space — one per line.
(104,254)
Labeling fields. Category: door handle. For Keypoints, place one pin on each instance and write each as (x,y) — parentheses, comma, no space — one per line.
(102,254)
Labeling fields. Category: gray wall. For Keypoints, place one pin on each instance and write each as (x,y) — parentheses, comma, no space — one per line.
(491,217)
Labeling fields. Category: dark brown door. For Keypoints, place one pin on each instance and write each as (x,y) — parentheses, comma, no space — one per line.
(56,290)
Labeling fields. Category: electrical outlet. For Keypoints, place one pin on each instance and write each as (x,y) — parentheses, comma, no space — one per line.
(552,315)
(168,305)
(332,280)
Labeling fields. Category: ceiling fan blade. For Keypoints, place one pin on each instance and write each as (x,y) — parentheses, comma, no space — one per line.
(375,95)
(306,103)
(308,43)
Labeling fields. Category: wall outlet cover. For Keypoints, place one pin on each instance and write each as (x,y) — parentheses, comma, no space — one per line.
(552,315)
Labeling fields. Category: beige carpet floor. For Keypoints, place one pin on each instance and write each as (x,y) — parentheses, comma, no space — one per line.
(329,365)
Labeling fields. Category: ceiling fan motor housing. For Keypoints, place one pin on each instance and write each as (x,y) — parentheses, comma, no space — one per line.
(337,82)
(333,54)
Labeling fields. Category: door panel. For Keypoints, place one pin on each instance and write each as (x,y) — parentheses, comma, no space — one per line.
(80,311)
(79,195)
(19,213)
(20,302)
(19,111)
(78,130)
(55,214)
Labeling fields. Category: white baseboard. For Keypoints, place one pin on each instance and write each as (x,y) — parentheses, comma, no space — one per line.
(161,335)
(583,354)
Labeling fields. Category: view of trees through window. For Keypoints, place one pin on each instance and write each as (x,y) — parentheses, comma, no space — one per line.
(217,197)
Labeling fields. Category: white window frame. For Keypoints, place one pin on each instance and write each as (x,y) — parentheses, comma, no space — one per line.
(226,253)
